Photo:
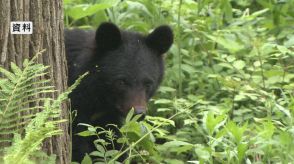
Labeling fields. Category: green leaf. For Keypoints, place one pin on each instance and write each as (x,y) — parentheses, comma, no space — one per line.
(111,153)
(178,146)
(166,89)
(131,126)
(284,110)
(86,133)
(164,109)
(231,58)
(163,101)
(268,130)
(97,154)
(236,131)
(260,12)
(188,68)
(212,122)
(239,64)
(232,45)
(160,120)
(202,153)
(284,50)
(241,148)
(8,75)
(177,143)
(16,70)
(100,148)
(81,11)
(273,72)
(130,115)
(87,160)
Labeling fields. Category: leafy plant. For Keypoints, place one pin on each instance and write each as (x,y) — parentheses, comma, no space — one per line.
(20,89)
(26,119)
(136,138)
(232,65)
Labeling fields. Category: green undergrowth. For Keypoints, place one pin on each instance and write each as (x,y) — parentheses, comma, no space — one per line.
(229,80)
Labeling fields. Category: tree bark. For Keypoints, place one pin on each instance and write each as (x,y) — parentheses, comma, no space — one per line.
(47,18)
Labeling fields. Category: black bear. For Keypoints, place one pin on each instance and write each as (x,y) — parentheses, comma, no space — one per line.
(125,69)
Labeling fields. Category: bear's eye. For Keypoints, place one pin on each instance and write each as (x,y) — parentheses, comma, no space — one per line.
(121,83)
(148,84)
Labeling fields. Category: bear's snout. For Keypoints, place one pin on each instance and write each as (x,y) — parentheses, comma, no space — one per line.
(140,110)
(136,99)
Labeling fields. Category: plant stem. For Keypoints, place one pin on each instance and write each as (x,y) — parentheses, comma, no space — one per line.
(261,66)
(179,49)
(138,141)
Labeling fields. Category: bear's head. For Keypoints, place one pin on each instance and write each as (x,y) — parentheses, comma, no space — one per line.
(129,66)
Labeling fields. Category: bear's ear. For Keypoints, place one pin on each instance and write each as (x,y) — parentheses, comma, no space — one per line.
(160,39)
(108,36)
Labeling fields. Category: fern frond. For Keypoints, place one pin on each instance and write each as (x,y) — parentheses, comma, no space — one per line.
(20,91)
(39,128)
(25,108)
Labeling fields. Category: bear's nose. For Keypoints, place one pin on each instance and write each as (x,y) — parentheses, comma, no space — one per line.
(140,110)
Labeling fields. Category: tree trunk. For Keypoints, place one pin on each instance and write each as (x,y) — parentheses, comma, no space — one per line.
(47,18)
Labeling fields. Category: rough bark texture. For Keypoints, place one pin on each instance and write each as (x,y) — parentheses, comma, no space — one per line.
(47,18)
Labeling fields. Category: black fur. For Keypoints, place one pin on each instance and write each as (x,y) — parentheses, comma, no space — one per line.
(125,70)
